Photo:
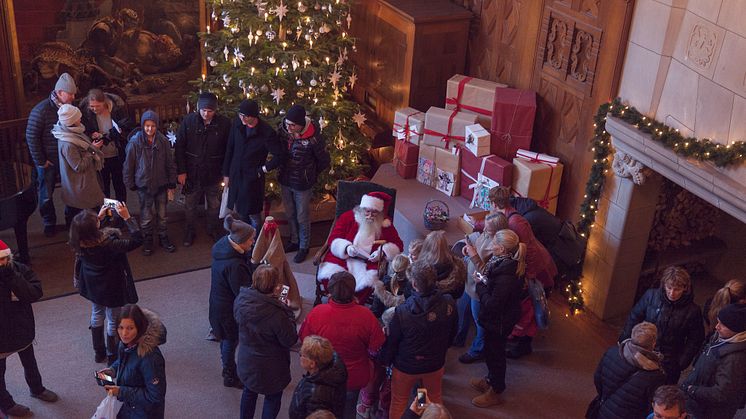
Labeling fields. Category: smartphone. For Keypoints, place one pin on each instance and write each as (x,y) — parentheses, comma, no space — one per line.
(110,203)
(103,379)
(421,397)
(468,240)
(284,293)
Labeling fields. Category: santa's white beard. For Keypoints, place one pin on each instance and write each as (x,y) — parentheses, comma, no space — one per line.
(368,228)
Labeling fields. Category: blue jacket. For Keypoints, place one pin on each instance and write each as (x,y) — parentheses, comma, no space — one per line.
(141,374)
(230,271)
(420,333)
(41,143)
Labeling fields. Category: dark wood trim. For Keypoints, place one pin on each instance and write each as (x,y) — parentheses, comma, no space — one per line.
(622,54)
(12,79)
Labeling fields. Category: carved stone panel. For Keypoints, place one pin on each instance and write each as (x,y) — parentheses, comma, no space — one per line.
(701,46)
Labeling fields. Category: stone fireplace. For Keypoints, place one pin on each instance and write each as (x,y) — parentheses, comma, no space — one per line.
(684,66)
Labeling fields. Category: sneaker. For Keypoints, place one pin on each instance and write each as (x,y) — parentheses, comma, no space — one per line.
(488,399)
(47,395)
(300,256)
(49,231)
(467,358)
(19,411)
(479,384)
(291,247)
(166,244)
(188,237)
(211,337)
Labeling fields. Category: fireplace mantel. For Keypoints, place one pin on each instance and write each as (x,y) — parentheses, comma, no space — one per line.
(724,188)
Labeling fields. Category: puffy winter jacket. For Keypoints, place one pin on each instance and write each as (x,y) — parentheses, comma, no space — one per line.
(420,333)
(718,380)
(626,390)
(19,287)
(41,142)
(324,389)
(230,271)
(679,323)
(307,157)
(500,299)
(200,149)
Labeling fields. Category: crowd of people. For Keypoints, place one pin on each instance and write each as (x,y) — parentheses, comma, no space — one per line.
(377,348)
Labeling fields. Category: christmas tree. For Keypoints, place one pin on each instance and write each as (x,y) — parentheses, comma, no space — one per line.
(280,53)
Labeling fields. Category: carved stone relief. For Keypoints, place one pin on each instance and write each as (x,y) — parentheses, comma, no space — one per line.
(626,166)
(701,47)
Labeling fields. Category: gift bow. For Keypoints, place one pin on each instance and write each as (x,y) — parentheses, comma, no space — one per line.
(406,130)
(269,228)
(456,101)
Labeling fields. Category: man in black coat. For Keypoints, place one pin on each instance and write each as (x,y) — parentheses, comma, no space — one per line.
(716,387)
(200,152)
(307,158)
(19,287)
(324,385)
(43,146)
(245,165)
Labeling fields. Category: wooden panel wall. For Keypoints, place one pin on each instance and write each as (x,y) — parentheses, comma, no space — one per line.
(571,53)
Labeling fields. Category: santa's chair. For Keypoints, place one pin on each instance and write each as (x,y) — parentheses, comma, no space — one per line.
(348,197)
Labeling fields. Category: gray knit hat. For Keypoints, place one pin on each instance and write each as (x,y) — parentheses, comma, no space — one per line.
(645,334)
(239,231)
(66,83)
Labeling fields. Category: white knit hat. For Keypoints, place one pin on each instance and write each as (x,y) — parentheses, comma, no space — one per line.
(68,115)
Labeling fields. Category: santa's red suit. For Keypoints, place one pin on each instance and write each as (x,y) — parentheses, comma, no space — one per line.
(345,233)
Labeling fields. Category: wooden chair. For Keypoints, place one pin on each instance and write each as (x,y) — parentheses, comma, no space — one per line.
(348,197)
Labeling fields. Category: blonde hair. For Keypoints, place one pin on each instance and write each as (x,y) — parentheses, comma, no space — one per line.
(676,276)
(415,247)
(509,240)
(265,279)
(435,249)
(732,292)
(317,349)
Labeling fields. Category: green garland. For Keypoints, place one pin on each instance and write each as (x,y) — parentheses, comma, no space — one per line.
(690,147)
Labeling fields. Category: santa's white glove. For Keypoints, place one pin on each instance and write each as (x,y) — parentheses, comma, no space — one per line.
(375,256)
(351,251)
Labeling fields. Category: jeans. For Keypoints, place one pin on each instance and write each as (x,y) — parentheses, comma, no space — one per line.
(46,180)
(401,389)
(271,404)
(213,194)
(30,371)
(463,306)
(297,208)
(112,173)
(228,353)
(494,356)
(153,207)
(477,345)
(350,411)
(111,314)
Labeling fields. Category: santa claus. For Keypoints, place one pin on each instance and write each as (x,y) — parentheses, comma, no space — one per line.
(360,239)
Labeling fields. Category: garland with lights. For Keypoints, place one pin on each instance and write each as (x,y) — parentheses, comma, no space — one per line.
(285,52)
(701,149)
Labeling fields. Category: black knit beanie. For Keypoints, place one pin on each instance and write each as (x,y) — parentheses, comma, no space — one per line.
(249,107)
(297,115)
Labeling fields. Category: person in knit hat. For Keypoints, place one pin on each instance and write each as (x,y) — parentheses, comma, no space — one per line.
(80,161)
(361,238)
(307,158)
(628,374)
(716,387)
(201,141)
(229,272)
(245,166)
(150,170)
(43,146)
(19,287)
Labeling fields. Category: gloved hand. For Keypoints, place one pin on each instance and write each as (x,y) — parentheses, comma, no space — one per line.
(375,256)
(351,251)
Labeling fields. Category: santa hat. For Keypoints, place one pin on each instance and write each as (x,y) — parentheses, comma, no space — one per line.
(4,250)
(378,201)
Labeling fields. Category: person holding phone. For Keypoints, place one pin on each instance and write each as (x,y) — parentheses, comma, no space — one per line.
(104,273)
(139,373)
(422,407)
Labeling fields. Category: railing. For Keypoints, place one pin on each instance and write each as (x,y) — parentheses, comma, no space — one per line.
(167,112)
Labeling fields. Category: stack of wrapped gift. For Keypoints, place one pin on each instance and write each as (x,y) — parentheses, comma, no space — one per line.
(445,128)
(426,165)
(537,176)
(447,171)
(512,121)
(406,155)
(408,125)
(467,94)
(480,174)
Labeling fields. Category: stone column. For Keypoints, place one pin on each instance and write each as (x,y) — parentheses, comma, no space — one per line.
(618,240)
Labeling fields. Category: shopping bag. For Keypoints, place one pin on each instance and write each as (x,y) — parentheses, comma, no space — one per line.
(108,409)
(224,210)
(541,306)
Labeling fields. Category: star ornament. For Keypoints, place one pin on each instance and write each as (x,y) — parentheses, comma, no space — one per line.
(353,80)
(359,119)
(280,11)
(278,94)
(335,77)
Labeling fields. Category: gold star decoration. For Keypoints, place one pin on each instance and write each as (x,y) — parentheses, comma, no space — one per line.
(359,119)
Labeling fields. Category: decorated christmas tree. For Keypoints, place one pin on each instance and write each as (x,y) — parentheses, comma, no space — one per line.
(280,53)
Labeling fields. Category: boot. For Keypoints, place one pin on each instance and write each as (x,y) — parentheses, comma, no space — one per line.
(301,255)
(230,378)
(99,348)
(19,411)
(147,245)
(488,398)
(166,243)
(522,347)
(112,349)
(479,384)
(188,236)
(291,247)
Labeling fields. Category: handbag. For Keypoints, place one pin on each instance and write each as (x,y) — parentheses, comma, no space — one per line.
(108,408)
(224,210)
(541,306)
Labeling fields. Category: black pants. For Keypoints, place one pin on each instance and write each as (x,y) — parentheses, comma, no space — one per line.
(112,173)
(494,356)
(31,372)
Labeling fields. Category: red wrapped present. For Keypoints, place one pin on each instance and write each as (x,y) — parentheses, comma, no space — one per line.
(512,121)
(491,167)
(444,128)
(467,94)
(405,159)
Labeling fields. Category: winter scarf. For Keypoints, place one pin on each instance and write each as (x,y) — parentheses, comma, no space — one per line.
(75,135)
(640,357)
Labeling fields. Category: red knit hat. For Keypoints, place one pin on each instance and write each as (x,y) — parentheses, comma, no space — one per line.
(4,250)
